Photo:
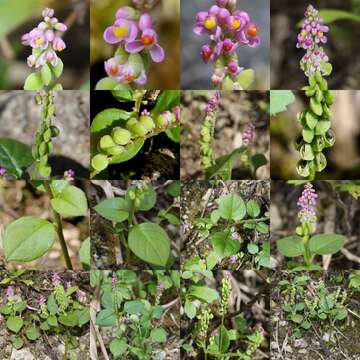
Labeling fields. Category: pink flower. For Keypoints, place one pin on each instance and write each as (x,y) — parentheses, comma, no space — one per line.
(121,30)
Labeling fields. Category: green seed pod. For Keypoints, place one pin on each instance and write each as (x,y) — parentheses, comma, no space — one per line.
(147,122)
(318,77)
(121,136)
(161,121)
(299,143)
(43,149)
(47,135)
(132,195)
(299,230)
(318,143)
(303,168)
(139,130)
(130,123)
(54,131)
(308,135)
(44,170)
(115,150)
(44,159)
(106,142)
(320,161)
(329,138)
(99,162)
(322,127)
(137,202)
(306,152)
(310,92)
(311,119)
(329,97)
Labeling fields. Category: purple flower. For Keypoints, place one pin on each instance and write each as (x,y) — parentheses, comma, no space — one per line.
(149,41)
(252,35)
(114,281)
(233,259)
(213,103)
(248,134)
(56,279)
(177,111)
(3,171)
(42,301)
(307,204)
(121,30)
(234,68)
(235,236)
(159,289)
(81,296)
(9,292)
(69,175)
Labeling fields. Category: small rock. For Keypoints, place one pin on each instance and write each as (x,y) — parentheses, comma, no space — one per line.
(300,343)
(22,354)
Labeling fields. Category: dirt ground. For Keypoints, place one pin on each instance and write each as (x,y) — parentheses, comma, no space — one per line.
(237,109)
(19,198)
(47,347)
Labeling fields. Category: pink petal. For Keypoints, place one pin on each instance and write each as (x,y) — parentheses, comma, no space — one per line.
(157,53)
(109,35)
(134,46)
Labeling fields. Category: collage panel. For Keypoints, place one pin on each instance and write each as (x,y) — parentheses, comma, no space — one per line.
(225,315)
(225,225)
(135,134)
(44,315)
(40,44)
(225,45)
(50,138)
(135,224)
(225,135)
(315,36)
(135,315)
(135,44)
(44,225)
(315,134)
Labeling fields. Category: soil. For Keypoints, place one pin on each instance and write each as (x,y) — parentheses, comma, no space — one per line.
(48,346)
(237,109)
(18,198)
(105,250)
(198,200)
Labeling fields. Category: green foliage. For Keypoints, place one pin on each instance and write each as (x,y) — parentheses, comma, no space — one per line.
(280,100)
(332,15)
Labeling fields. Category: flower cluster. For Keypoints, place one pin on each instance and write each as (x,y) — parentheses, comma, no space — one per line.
(225,295)
(136,37)
(69,175)
(307,204)
(145,4)
(204,320)
(227,28)
(310,38)
(46,40)
(248,134)
(3,171)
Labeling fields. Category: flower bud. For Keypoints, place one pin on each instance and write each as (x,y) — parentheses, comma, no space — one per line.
(121,136)
(147,122)
(106,142)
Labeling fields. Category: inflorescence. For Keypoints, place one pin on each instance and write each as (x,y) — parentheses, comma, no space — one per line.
(307,205)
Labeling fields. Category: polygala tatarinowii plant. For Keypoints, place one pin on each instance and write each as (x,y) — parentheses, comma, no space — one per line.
(29,238)
(304,243)
(46,41)
(228,28)
(147,240)
(316,119)
(222,168)
(138,43)
(118,135)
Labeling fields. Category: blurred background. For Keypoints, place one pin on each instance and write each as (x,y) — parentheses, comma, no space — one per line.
(166,23)
(195,74)
(343,158)
(343,47)
(236,110)
(20,117)
(18,17)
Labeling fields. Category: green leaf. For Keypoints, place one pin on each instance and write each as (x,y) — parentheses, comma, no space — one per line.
(83,316)
(166,101)
(258,160)
(113,209)
(150,243)
(212,259)
(322,127)
(246,78)
(123,95)
(253,208)
(252,248)
(332,15)
(308,135)
(130,152)
(173,134)
(70,202)
(291,246)
(109,118)
(46,74)
(15,156)
(174,189)
(224,164)
(106,83)
(134,307)
(28,238)
(224,340)
(32,333)
(316,107)
(325,244)
(232,207)
(297,318)
(341,314)
(84,254)
(190,309)
(311,119)
(52,320)
(148,200)
(280,100)
(34,82)
(223,244)
(262,228)
(118,347)
(158,335)
(58,69)
(14,323)
(69,320)
(18,343)
(106,317)
(203,293)
(52,305)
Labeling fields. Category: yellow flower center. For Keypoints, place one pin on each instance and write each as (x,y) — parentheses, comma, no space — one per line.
(236,24)
(320,34)
(39,41)
(303,33)
(59,48)
(210,23)
(120,31)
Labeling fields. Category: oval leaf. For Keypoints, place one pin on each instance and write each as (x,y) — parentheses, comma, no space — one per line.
(118,347)
(107,119)
(150,243)
(14,323)
(70,202)
(158,335)
(203,293)
(224,245)
(130,151)
(232,207)
(325,244)
(28,238)
(34,82)
(106,317)
(224,340)
(253,208)
(291,246)
(113,209)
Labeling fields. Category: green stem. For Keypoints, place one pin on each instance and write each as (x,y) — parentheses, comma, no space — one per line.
(59,230)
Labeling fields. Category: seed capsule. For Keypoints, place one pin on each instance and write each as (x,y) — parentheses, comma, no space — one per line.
(121,136)
(147,122)
(115,150)
(139,130)
(106,142)
(54,131)
(100,162)
(131,122)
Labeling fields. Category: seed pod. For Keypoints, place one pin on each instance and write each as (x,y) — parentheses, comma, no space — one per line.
(139,130)
(43,149)
(54,131)
(137,202)
(99,162)
(106,142)
(147,122)
(132,194)
(44,170)
(121,136)
(130,123)
(115,150)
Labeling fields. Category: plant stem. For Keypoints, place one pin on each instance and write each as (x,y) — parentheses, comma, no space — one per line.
(59,230)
